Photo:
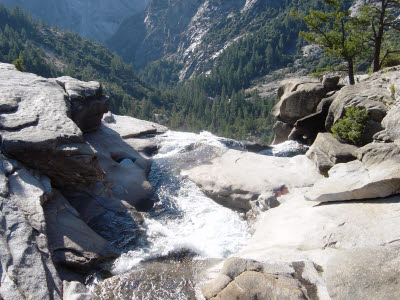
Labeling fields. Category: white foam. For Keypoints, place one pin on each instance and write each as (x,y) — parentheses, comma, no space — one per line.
(200,225)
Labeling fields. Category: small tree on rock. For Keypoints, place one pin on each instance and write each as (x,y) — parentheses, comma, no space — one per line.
(19,63)
(337,32)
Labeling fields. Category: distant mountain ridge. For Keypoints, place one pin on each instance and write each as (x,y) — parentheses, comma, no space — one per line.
(176,30)
(94,19)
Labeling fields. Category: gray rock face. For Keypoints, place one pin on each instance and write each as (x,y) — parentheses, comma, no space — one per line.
(306,129)
(355,243)
(235,178)
(302,108)
(126,170)
(330,81)
(372,94)
(26,266)
(88,104)
(298,100)
(328,151)
(92,19)
(281,132)
(72,243)
(40,134)
(374,175)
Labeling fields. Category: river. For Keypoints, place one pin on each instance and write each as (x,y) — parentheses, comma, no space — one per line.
(185,232)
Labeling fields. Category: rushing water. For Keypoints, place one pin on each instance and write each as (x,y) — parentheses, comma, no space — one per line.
(184,231)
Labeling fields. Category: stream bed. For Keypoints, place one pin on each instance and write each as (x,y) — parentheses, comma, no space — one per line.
(185,232)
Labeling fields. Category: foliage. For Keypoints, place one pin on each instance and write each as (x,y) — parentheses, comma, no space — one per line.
(338,33)
(161,73)
(19,63)
(381,16)
(50,52)
(350,128)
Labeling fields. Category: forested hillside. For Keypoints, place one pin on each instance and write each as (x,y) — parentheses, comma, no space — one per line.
(214,100)
(50,52)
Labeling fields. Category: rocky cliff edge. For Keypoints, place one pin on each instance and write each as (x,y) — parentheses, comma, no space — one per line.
(63,173)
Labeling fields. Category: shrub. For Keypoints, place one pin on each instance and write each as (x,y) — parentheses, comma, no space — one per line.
(19,63)
(350,128)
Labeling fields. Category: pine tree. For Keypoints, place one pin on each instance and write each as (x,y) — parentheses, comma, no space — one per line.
(337,32)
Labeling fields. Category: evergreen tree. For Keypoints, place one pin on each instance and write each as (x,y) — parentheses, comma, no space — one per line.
(381,16)
(337,33)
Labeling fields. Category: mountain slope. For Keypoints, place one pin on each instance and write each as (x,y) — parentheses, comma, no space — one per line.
(96,19)
(177,30)
(51,53)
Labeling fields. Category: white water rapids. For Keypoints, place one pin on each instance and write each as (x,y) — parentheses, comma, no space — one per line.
(186,219)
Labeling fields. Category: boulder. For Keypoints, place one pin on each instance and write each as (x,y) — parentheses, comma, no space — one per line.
(299,101)
(391,124)
(373,94)
(327,151)
(249,279)
(236,178)
(281,132)
(330,81)
(306,129)
(72,243)
(374,175)
(40,134)
(88,104)
(128,127)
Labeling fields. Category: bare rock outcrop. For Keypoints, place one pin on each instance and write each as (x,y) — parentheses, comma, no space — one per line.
(88,104)
(26,264)
(39,132)
(236,179)
(64,174)
(374,175)
(248,279)
(299,108)
(327,151)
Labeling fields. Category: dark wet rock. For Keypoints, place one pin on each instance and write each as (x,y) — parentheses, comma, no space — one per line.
(72,242)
